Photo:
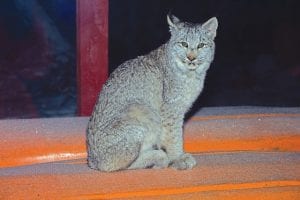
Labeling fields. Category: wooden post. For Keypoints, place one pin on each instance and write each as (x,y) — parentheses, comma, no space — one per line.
(92,52)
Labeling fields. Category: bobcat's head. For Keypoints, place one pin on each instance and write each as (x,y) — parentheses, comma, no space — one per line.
(192,45)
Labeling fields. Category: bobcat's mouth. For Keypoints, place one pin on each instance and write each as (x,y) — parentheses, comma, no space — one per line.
(191,65)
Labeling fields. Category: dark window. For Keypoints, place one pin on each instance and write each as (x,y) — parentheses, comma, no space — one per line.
(37,58)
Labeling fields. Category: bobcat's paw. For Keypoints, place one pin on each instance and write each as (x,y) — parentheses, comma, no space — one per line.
(185,161)
(161,162)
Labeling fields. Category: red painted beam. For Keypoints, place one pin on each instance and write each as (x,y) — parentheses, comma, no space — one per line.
(92,52)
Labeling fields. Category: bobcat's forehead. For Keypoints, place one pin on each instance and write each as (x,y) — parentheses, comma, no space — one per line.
(192,33)
(189,31)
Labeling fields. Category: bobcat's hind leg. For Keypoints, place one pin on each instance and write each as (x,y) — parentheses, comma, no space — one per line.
(115,148)
(150,158)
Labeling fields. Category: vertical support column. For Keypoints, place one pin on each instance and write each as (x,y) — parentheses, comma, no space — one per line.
(92,52)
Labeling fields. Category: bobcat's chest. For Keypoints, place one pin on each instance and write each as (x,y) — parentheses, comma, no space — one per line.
(181,93)
(191,88)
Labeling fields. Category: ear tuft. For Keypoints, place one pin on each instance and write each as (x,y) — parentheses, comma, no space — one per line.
(172,21)
(211,26)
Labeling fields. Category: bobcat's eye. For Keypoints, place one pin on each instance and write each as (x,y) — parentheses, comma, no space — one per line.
(184,44)
(201,45)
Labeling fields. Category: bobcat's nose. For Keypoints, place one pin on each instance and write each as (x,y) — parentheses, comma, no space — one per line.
(191,56)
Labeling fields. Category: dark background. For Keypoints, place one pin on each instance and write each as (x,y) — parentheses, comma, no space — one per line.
(37,58)
(257,58)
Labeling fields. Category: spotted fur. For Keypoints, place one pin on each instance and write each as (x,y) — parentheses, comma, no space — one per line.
(138,119)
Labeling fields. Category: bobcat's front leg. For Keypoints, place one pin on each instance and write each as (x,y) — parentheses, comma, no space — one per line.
(172,142)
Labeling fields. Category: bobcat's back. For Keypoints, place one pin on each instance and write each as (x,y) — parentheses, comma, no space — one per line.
(137,81)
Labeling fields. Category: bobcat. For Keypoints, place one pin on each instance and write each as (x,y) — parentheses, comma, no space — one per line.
(137,121)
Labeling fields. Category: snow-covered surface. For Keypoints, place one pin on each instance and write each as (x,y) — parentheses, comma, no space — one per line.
(29,141)
(251,151)
(234,110)
(243,175)
(43,126)
(208,159)
(71,125)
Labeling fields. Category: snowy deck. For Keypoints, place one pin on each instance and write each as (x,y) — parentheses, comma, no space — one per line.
(242,153)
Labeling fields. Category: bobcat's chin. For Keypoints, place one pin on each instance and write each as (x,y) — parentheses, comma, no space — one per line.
(192,67)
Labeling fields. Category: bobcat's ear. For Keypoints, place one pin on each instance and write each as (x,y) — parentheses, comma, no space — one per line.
(211,26)
(173,22)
